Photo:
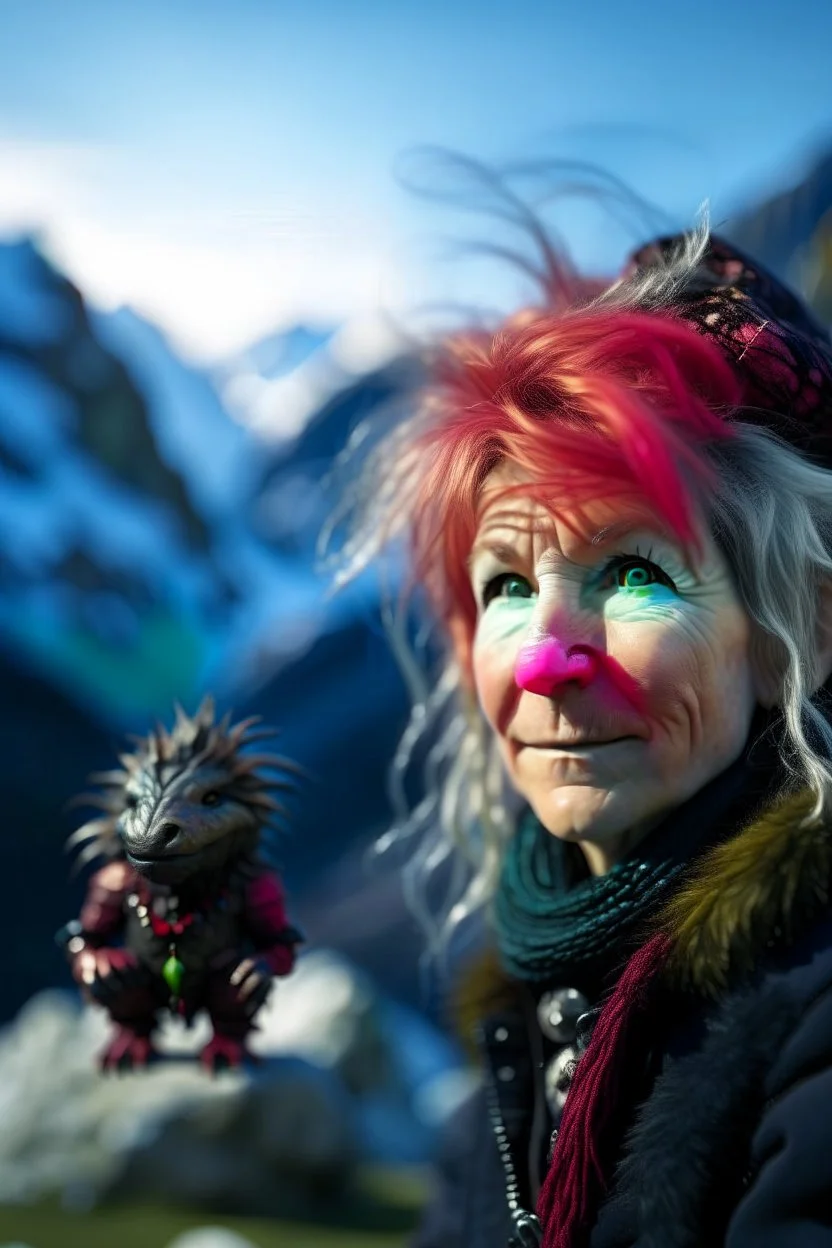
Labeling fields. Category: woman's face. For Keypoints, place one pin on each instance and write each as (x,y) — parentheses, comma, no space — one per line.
(615,675)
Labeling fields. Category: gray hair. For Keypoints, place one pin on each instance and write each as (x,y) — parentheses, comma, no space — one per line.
(771,513)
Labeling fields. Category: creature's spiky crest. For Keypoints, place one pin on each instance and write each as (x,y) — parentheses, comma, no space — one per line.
(192,742)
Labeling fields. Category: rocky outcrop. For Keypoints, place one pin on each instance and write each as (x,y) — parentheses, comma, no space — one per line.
(343,1078)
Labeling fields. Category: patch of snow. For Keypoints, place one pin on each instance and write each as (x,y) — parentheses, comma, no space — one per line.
(278,408)
(192,429)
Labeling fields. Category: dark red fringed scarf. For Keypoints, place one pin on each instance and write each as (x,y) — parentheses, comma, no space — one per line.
(585,1150)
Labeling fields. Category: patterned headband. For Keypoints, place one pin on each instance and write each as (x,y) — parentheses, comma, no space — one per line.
(781,352)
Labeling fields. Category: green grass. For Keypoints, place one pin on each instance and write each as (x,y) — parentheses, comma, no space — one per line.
(385,1205)
(143,1227)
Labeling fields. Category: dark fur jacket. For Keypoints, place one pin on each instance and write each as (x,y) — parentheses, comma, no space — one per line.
(729,1130)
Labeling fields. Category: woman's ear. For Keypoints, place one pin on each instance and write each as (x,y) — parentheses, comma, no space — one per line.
(462,644)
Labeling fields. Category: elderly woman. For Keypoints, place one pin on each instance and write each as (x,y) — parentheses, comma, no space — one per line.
(620,508)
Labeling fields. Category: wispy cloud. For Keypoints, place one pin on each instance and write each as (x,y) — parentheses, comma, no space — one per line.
(213,275)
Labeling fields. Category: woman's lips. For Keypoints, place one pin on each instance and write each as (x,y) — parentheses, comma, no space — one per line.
(574,744)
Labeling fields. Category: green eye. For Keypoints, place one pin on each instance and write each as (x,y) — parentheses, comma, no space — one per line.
(506,585)
(636,573)
(636,576)
(517,587)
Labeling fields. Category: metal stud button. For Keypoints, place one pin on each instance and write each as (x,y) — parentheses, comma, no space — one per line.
(558,1012)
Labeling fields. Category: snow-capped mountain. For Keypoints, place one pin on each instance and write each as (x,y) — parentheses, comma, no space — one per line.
(278,353)
(279,385)
(132,563)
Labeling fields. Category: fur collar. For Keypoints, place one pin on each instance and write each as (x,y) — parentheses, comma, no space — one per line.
(751,893)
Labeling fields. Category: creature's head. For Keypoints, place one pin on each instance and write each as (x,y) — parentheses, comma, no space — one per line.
(186,802)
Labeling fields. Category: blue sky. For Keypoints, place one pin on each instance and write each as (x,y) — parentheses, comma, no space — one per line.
(229,167)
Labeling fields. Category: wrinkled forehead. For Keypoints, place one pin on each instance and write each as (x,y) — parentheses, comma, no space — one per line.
(511,507)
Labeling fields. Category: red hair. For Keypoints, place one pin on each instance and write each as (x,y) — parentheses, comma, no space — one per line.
(592,403)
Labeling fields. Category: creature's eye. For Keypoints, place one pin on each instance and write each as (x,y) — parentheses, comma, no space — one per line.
(506,585)
(211,798)
(131,801)
(634,572)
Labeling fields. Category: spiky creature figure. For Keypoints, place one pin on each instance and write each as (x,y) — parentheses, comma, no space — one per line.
(186,915)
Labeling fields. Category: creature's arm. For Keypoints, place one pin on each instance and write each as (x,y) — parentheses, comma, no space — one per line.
(274,940)
(787,1201)
(102,915)
(266,925)
(90,943)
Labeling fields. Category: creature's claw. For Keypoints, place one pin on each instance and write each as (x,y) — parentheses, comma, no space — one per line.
(252,981)
(128,1050)
(108,972)
(224,1053)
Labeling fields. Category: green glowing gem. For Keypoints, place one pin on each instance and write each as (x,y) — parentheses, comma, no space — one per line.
(172,973)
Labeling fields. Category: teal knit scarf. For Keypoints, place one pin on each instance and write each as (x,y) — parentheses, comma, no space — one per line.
(554,922)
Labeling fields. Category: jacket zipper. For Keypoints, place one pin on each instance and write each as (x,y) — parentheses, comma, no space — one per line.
(527,1231)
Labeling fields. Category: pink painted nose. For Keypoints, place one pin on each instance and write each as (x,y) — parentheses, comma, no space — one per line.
(542,666)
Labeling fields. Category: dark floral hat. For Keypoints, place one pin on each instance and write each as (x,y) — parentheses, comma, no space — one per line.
(780,350)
